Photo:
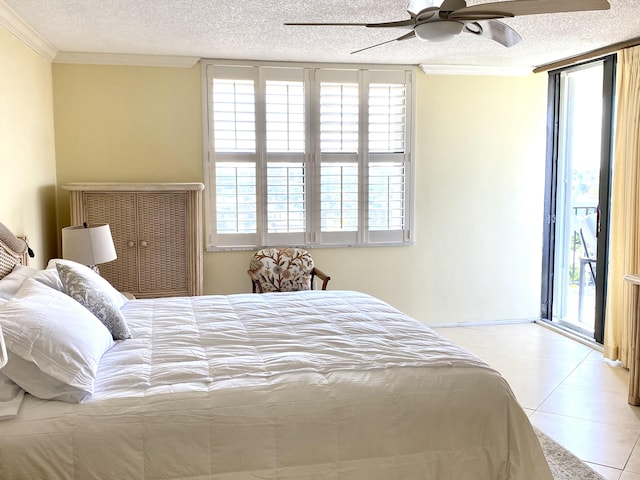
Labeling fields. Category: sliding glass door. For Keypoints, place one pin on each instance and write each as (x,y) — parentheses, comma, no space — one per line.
(577,203)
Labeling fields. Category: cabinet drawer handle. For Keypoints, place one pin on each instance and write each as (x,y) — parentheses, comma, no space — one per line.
(130,243)
(143,243)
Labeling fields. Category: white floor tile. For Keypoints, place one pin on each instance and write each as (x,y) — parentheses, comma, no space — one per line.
(567,389)
(633,465)
(607,472)
(593,442)
(593,404)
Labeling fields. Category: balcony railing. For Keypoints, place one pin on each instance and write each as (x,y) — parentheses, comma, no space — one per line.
(576,248)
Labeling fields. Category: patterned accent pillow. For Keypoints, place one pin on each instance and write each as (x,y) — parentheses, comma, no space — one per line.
(82,286)
(282,269)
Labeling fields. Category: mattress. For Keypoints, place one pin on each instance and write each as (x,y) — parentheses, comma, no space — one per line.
(304,385)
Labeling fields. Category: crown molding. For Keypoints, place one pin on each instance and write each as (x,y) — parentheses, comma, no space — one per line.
(476,70)
(24,32)
(124,59)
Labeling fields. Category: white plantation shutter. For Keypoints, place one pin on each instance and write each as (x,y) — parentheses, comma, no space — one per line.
(307,155)
(233,188)
(286,161)
(389,170)
(339,177)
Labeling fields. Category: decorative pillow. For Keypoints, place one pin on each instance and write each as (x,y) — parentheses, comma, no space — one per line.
(54,344)
(116,297)
(96,294)
(10,284)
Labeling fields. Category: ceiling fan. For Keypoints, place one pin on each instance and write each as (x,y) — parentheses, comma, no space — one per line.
(434,23)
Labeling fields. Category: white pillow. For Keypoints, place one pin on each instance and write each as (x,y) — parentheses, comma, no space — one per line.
(84,286)
(50,278)
(54,344)
(11,283)
(11,396)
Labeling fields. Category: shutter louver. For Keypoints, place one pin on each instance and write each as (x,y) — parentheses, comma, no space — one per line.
(386,196)
(285,116)
(235,198)
(286,197)
(387,113)
(338,117)
(234,126)
(339,197)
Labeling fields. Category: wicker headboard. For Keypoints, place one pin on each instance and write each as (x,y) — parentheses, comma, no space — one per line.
(13,250)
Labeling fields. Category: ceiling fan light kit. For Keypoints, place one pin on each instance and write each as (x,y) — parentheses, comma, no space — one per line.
(431,23)
(437,31)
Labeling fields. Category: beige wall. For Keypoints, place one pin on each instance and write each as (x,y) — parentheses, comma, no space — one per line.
(119,124)
(27,154)
(481,168)
(479,183)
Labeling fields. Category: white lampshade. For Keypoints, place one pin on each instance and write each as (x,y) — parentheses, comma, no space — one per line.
(88,244)
(3,351)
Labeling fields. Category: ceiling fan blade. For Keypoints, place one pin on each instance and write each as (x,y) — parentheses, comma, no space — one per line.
(414,7)
(409,23)
(494,30)
(475,16)
(452,5)
(406,36)
(311,24)
(527,7)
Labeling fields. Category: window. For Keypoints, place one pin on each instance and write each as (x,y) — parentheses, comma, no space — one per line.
(310,156)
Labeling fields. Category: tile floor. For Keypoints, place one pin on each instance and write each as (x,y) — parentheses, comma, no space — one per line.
(569,391)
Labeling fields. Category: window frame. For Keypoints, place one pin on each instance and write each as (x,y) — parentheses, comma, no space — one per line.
(313,158)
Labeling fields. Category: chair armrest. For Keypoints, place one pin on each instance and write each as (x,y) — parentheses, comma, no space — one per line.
(322,276)
(255,283)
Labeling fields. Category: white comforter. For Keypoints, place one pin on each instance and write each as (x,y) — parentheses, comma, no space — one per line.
(310,385)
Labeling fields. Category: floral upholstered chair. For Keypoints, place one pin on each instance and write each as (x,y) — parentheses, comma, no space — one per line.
(284,270)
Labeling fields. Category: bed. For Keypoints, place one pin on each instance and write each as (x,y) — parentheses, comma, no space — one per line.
(301,385)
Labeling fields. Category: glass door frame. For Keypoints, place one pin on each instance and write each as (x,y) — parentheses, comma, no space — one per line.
(551,192)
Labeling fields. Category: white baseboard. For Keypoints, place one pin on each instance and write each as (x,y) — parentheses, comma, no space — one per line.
(555,328)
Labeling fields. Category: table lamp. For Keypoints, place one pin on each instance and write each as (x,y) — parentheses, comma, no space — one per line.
(88,244)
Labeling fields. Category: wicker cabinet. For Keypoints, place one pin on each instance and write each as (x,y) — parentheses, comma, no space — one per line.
(156,230)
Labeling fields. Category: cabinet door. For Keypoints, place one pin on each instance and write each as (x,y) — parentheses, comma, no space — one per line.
(162,243)
(119,211)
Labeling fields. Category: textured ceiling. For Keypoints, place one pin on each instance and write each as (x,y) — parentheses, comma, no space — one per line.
(254,30)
